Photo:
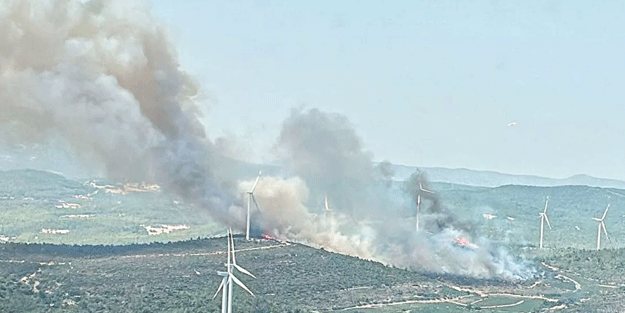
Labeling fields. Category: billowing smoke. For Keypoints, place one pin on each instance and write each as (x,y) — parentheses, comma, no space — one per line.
(285,216)
(325,151)
(103,76)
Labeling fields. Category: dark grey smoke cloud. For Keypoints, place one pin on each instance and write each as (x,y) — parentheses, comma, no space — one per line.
(439,217)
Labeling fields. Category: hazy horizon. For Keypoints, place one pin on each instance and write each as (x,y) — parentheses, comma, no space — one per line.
(425,83)
(62,162)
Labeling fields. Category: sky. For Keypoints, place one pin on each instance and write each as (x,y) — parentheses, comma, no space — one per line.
(425,83)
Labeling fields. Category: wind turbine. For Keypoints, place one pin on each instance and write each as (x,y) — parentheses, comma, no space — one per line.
(250,198)
(543,218)
(601,225)
(419,203)
(229,278)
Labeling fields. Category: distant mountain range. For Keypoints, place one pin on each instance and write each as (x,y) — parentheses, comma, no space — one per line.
(461,176)
(63,163)
(469,177)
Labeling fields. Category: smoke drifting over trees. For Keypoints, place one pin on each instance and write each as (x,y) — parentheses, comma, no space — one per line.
(104,76)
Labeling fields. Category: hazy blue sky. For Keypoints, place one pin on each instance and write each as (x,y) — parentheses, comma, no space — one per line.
(428,83)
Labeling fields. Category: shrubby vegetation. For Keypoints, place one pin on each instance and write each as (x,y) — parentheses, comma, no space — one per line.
(110,263)
(32,200)
(570,211)
(180,277)
(605,266)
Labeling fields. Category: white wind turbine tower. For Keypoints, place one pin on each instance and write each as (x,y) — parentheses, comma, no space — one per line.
(419,203)
(250,198)
(543,218)
(601,225)
(229,278)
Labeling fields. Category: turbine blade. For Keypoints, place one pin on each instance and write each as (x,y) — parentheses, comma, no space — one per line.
(244,271)
(605,212)
(256,203)
(596,219)
(547,219)
(421,189)
(228,250)
(223,282)
(428,191)
(234,261)
(238,282)
(605,231)
(256,182)
(546,203)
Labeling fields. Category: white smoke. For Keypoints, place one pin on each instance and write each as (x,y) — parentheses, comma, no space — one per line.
(285,216)
(365,221)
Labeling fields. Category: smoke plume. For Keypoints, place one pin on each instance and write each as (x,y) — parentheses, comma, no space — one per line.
(104,76)
(325,151)
(364,218)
